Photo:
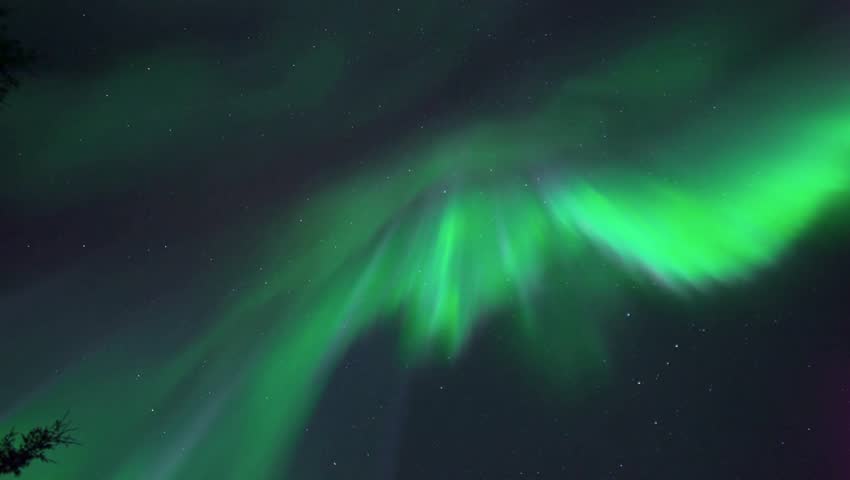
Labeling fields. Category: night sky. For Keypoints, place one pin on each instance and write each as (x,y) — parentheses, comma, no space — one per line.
(429,240)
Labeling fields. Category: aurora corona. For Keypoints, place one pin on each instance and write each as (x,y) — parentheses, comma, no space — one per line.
(480,219)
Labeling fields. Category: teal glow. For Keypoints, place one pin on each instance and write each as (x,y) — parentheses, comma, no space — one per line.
(489,217)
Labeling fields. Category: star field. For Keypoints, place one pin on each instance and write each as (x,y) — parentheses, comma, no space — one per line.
(429,240)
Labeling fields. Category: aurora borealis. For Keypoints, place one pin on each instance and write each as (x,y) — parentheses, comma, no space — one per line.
(213,212)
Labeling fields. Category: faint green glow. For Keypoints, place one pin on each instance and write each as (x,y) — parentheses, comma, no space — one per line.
(497,215)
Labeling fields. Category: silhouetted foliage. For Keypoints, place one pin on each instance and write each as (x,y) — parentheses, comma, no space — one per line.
(13,58)
(18,450)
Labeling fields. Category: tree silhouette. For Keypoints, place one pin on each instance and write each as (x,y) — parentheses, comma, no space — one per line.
(18,450)
(13,58)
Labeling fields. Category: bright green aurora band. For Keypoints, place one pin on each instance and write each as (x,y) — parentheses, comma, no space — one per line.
(476,221)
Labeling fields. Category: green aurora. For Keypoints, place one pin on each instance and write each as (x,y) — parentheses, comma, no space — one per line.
(447,230)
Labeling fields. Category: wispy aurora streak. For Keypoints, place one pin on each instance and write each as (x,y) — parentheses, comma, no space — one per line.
(476,221)
(455,252)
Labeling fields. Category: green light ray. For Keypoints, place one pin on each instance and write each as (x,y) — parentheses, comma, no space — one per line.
(465,229)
